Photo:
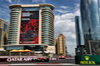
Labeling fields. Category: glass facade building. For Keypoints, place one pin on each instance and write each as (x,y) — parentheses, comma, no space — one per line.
(47,26)
(79,36)
(79,31)
(31,25)
(13,29)
(33,48)
(90,21)
(22,15)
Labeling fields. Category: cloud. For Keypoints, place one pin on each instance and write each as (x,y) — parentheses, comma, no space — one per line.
(99,10)
(77,5)
(64,7)
(65,24)
(61,11)
(5,13)
(10,1)
(37,1)
(18,1)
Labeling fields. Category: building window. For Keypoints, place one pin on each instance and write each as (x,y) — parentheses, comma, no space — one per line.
(47,7)
(15,8)
(5,27)
(14,13)
(14,17)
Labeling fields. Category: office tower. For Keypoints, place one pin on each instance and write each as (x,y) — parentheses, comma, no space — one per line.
(90,22)
(79,36)
(31,27)
(60,45)
(79,31)
(4,26)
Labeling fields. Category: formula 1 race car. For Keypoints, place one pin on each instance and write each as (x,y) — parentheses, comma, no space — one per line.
(62,57)
(41,60)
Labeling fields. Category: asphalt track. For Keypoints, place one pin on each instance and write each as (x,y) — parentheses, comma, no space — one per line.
(61,62)
(54,61)
(65,62)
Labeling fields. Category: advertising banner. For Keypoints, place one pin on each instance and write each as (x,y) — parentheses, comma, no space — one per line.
(88,59)
(29,26)
(23,58)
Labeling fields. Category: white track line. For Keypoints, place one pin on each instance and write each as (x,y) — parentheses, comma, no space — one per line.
(46,64)
(67,64)
(24,64)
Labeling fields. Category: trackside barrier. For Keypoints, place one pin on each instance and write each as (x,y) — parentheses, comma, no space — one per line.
(70,58)
(53,58)
(23,58)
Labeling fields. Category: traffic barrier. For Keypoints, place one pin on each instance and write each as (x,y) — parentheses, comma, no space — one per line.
(21,58)
(53,58)
(70,58)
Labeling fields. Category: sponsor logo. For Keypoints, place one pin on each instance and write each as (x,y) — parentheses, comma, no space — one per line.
(87,61)
(86,57)
(19,59)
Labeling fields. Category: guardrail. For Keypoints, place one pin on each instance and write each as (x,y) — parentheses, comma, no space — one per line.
(70,58)
(22,58)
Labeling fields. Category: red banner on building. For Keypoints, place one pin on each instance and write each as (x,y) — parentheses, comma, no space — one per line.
(29,27)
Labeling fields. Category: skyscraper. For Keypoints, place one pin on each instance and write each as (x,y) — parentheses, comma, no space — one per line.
(79,31)
(31,27)
(4,27)
(90,21)
(79,36)
(60,45)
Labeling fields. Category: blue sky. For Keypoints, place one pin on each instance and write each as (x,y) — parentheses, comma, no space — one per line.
(65,12)
(61,6)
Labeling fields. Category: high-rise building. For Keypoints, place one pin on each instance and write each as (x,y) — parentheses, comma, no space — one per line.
(79,36)
(90,22)
(60,45)
(4,27)
(31,27)
(79,31)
